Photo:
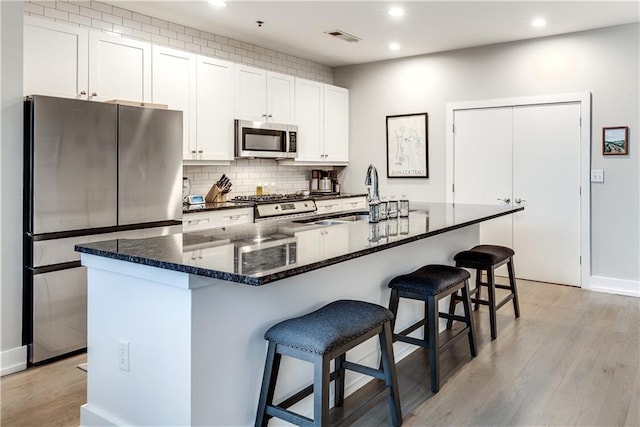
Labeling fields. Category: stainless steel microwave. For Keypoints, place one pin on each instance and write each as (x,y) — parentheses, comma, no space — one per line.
(265,140)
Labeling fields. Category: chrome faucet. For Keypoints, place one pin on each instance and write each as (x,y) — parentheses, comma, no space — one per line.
(374,200)
(367,181)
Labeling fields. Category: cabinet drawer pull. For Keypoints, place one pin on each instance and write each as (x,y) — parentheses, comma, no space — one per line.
(234,217)
(197,221)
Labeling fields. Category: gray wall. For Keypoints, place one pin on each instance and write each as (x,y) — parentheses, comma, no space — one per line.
(604,62)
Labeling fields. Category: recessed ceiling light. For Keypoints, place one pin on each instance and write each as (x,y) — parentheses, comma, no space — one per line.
(217,3)
(394,46)
(538,22)
(396,11)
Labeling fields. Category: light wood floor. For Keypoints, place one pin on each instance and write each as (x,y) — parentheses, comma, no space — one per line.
(573,358)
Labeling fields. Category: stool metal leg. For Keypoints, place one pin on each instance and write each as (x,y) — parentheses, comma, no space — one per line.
(434,343)
(271,368)
(514,289)
(390,376)
(321,391)
(466,301)
(492,302)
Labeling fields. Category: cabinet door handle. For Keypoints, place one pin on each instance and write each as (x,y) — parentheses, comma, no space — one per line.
(84,92)
(94,94)
(199,151)
(519,200)
(505,199)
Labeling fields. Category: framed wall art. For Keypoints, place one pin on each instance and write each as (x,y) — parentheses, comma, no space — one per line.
(407,146)
(615,141)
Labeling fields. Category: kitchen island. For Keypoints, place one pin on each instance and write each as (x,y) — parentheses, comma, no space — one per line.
(176,323)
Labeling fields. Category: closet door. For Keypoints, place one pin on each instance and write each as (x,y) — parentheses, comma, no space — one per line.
(546,180)
(483,166)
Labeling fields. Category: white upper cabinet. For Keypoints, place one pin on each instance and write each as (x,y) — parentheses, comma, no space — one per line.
(56,60)
(174,84)
(263,95)
(309,99)
(322,116)
(336,124)
(214,106)
(119,68)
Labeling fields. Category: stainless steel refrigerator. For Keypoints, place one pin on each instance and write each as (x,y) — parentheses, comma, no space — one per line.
(93,171)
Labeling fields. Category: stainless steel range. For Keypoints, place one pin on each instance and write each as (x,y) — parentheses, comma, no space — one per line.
(279,206)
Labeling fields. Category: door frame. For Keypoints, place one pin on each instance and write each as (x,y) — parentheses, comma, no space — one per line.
(584,99)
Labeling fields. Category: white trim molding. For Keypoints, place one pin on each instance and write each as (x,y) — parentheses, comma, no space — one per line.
(615,286)
(584,98)
(13,360)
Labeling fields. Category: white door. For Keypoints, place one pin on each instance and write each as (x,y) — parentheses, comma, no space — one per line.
(546,162)
(214,99)
(483,166)
(280,98)
(56,59)
(529,155)
(119,68)
(174,84)
(310,121)
(250,93)
(336,124)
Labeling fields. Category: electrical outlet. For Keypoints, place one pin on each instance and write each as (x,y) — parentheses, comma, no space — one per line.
(597,175)
(123,355)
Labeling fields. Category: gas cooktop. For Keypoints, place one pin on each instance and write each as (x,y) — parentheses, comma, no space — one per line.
(269,198)
(272,206)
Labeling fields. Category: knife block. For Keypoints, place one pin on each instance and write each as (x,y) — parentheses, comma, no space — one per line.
(215,195)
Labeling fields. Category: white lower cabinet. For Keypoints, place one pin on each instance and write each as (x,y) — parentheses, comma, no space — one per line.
(329,206)
(218,258)
(319,244)
(215,219)
(355,203)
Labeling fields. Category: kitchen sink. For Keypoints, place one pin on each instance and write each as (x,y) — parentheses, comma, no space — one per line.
(352,218)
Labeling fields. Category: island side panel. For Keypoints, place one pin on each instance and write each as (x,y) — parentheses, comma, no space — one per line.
(155,319)
(229,321)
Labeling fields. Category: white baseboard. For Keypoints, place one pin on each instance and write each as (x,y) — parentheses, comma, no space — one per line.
(91,417)
(13,360)
(615,286)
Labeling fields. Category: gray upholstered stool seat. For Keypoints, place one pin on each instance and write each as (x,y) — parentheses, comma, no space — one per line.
(430,284)
(430,279)
(330,327)
(319,337)
(487,258)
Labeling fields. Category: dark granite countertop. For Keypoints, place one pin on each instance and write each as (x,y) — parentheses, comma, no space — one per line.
(256,254)
(236,205)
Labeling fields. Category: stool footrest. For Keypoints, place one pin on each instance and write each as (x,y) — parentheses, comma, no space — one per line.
(418,324)
(411,340)
(504,301)
(291,417)
(453,317)
(454,338)
(292,400)
(366,370)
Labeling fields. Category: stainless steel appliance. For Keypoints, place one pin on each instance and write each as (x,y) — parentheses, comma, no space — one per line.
(272,254)
(265,140)
(93,171)
(279,206)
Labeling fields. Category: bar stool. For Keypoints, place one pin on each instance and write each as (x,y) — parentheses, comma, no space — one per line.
(319,337)
(430,284)
(488,258)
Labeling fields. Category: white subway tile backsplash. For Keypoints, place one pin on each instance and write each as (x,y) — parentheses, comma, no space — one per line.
(192,32)
(117,20)
(96,23)
(56,14)
(102,7)
(142,35)
(185,37)
(152,29)
(122,30)
(68,7)
(130,23)
(168,33)
(159,23)
(176,27)
(141,18)
(123,13)
(34,9)
(78,19)
(156,38)
(90,13)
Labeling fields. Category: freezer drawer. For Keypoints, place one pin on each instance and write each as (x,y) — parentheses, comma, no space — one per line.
(59,313)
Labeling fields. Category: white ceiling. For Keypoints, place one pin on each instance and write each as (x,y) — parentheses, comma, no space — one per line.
(297,27)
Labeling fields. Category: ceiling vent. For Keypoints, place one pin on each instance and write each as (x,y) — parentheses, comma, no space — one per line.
(343,36)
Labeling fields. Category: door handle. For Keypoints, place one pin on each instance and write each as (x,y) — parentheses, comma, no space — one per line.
(519,200)
(505,199)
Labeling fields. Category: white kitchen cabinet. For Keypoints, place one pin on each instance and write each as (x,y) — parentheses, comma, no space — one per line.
(174,84)
(56,59)
(336,124)
(119,68)
(329,206)
(218,258)
(214,110)
(215,219)
(319,244)
(322,116)
(262,95)
(355,204)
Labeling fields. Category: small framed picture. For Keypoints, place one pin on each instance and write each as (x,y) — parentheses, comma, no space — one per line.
(615,141)
(407,146)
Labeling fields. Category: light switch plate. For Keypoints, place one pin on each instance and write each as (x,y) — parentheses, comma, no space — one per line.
(597,175)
